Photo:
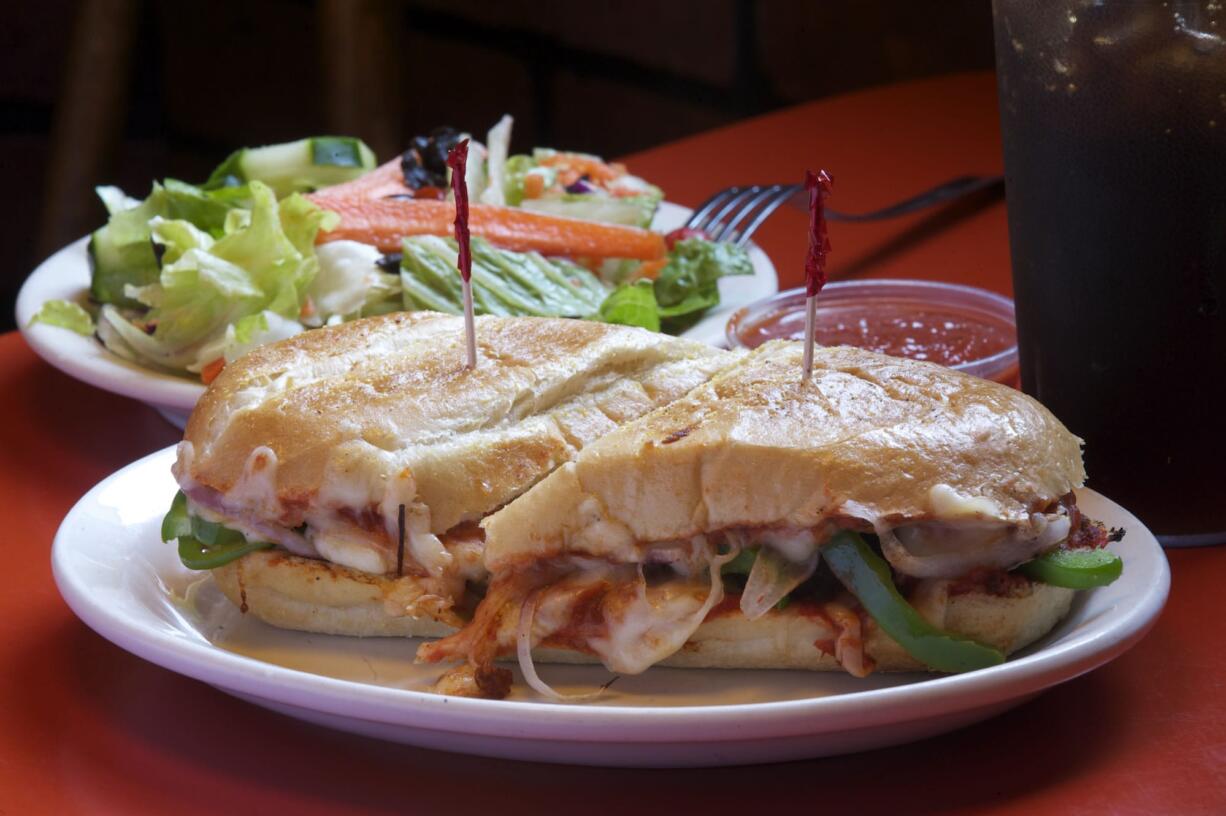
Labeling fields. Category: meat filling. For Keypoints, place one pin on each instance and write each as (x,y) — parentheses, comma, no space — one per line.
(631,616)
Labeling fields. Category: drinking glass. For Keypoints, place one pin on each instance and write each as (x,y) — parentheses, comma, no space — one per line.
(1113,116)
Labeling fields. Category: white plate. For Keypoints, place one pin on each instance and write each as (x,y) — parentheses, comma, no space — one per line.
(126,584)
(65,275)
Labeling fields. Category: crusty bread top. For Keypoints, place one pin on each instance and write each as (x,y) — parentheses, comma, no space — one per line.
(869,436)
(393,392)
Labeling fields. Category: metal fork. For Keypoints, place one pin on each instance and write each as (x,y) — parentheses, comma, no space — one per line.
(733,214)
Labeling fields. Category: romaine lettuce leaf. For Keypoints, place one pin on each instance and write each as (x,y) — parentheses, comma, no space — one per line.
(504,282)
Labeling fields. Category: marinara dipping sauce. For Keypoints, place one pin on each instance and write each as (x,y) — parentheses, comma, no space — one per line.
(962,327)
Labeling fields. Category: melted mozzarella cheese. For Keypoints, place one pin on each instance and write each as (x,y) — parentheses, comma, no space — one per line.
(597,533)
(950,549)
(350,549)
(947,503)
(654,622)
(182,467)
(255,491)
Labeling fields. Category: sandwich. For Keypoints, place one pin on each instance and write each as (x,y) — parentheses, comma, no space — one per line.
(886,514)
(334,482)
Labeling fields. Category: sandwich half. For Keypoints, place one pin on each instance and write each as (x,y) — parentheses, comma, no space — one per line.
(334,482)
(887,514)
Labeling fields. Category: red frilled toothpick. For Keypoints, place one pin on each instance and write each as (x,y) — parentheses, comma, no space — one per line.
(457,160)
(818,184)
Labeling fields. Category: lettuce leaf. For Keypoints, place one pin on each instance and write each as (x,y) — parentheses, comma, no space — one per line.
(632,304)
(213,296)
(121,254)
(504,282)
(689,283)
(66,315)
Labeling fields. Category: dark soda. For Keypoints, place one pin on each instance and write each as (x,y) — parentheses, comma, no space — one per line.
(1113,116)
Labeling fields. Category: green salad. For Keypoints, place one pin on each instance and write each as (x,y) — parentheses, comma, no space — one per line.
(195,275)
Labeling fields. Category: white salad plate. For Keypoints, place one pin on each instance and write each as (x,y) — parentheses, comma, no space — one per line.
(120,579)
(65,276)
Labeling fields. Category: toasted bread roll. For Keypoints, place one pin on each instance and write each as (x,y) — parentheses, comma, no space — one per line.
(316,596)
(877,437)
(319,443)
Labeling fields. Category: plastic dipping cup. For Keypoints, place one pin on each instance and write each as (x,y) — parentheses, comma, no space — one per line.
(965,328)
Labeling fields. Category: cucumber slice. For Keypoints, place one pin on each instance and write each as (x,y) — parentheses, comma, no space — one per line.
(295,167)
(113,264)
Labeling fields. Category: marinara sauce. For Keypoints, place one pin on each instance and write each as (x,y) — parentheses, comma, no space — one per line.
(957,326)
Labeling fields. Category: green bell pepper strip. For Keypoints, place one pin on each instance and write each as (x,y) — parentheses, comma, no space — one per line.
(177,522)
(204,545)
(867,576)
(1074,569)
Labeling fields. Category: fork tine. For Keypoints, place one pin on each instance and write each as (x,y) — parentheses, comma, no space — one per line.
(782,192)
(745,206)
(732,228)
(699,217)
(719,221)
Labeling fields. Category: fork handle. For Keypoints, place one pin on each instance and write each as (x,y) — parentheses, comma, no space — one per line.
(954,188)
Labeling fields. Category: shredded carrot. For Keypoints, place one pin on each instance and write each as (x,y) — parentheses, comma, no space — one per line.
(211,370)
(386,179)
(582,166)
(385,222)
(534,185)
(308,308)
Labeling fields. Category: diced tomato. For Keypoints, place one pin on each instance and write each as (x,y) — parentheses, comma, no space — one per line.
(682,233)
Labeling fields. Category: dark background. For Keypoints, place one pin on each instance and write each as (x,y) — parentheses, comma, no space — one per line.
(126,91)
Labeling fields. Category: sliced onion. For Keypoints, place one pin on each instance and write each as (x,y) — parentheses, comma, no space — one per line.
(772,577)
(937,550)
(523,650)
(677,632)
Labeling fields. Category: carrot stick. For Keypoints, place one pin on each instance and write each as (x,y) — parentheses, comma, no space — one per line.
(211,370)
(384,222)
(386,179)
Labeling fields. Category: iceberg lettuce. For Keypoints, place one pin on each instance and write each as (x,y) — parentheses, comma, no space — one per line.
(213,295)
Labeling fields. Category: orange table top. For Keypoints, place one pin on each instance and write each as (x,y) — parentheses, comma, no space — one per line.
(87,728)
